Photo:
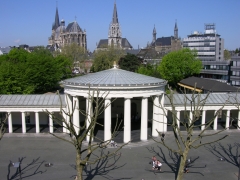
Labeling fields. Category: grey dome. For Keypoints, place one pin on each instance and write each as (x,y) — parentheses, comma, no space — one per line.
(73,27)
(114,78)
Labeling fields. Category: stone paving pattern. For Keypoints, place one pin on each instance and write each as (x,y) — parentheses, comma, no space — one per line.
(131,163)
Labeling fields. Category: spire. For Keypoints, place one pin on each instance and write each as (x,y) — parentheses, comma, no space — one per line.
(176,30)
(154,34)
(115,16)
(56,23)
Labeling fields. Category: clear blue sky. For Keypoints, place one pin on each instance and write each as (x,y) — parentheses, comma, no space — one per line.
(30,21)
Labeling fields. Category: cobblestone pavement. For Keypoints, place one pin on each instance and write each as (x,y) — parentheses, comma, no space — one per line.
(132,162)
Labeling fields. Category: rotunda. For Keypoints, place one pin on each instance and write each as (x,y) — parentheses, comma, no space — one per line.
(132,93)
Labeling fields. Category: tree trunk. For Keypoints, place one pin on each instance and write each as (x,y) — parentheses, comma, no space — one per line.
(183,159)
(79,167)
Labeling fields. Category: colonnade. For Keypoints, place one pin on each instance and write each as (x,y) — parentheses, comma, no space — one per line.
(159,119)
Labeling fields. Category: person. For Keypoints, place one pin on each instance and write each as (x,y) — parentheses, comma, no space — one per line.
(153,162)
(113,144)
(159,165)
(186,169)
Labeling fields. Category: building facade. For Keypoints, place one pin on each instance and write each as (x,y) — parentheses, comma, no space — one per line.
(235,71)
(62,35)
(114,35)
(210,50)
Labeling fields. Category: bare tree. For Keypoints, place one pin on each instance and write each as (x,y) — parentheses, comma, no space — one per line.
(185,141)
(78,135)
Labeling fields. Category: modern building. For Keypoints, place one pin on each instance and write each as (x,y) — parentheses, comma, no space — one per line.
(210,49)
(5,50)
(235,71)
(62,35)
(114,35)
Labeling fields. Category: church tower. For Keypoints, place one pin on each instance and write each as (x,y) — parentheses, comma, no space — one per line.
(56,23)
(154,35)
(114,33)
(176,31)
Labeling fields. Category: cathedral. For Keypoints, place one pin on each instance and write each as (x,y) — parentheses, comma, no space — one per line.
(62,35)
(114,35)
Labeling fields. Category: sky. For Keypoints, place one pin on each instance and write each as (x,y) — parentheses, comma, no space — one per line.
(30,21)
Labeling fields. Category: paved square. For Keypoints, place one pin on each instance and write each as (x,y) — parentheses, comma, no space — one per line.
(133,162)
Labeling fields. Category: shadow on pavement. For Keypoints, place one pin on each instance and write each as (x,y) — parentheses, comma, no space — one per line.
(102,167)
(228,153)
(20,172)
(172,160)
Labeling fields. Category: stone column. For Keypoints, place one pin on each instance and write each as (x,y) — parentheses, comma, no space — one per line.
(238,120)
(127,120)
(89,115)
(69,109)
(10,128)
(178,119)
(215,122)
(227,119)
(144,119)
(23,123)
(190,117)
(50,123)
(107,120)
(37,122)
(162,115)
(203,119)
(155,121)
(76,117)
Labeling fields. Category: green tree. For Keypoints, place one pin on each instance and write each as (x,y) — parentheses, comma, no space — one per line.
(178,65)
(104,58)
(76,54)
(237,51)
(227,54)
(130,62)
(22,72)
(149,70)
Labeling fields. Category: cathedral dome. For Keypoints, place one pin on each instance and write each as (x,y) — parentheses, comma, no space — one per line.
(59,30)
(73,27)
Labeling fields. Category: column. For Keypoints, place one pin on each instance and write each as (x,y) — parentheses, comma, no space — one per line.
(215,121)
(127,120)
(107,120)
(238,127)
(76,117)
(227,119)
(37,122)
(10,128)
(51,122)
(89,113)
(178,119)
(65,119)
(162,116)
(190,117)
(155,120)
(144,119)
(23,123)
(203,119)
(69,110)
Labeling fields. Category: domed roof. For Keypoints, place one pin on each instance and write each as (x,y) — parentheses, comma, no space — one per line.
(114,79)
(59,30)
(73,27)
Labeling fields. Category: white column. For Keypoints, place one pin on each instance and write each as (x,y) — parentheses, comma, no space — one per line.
(37,122)
(107,120)
(64,125)
(69,111)
(203,119)
(155,121)
(76,117)
(10,128)
(144,119)
(238,120)
(89,116)
(50,123)
(215,122)
(23,123)
(127,120)
(165,122)
(162,115)
(178,119)
(227,119)
(190,117)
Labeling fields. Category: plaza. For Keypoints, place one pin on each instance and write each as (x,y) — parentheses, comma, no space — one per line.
(132,162)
